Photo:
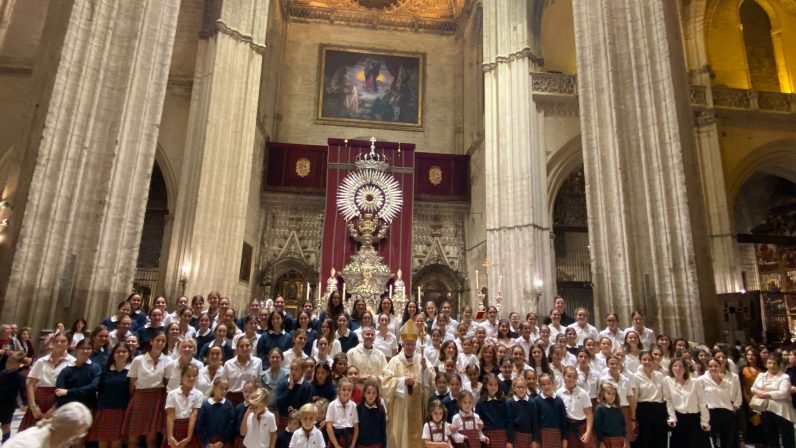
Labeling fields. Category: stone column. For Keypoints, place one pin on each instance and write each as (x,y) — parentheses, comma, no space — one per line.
(646,226)
(210,215)
(81,166)
(723,243)
(517,218)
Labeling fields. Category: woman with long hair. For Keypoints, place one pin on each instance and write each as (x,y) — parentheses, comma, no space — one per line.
(778,416)
(41,381)
(327,331)
(304,322)
(359,308)
(113,396)
(686,407)
(750,424)
(410,309)
(243,367)
(144,416)
(386,307)
(77,333)
(334,308)
(99,341)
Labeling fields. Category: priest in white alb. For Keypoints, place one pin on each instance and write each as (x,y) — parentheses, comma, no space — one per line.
(406,384)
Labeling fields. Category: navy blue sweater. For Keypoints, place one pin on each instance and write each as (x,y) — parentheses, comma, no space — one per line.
(608,422)
(270,340)
(523,416)
(296,397)
(201,341)
(240,411)
(372,424)
(452,405)
(550,413)
(216,420)
(114,389)
(12,383)
(327,391)
(81,383)
(496,415)
(348,342)
(145,335)
(227,348)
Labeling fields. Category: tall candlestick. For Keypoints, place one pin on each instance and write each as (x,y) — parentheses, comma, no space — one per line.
(343,298)
(476,281)
(418,295)
(308,291)
(390,292)
(500,281)
(319,293)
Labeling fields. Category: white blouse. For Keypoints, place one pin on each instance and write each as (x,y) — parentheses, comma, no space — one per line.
(47,373)
(174,373)
(183,405)
(649,389)
(147,373)
(623,387)
(688,398)
(779,388)
(204,383)
(238,373)
(723,395)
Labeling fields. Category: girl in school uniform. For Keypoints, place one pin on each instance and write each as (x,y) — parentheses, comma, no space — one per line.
(41,381)
(79,381)
(494,411)
(297,352)
(216,417)
(209,373)
(466,426)
(588,377)
(112,400)
(259,425)
(686,407)
(307,435)
(240,412)
(609,423)
(551,414)
(243,367)
(182,410)
(723,398)
(322,384)
(627,398)
(144,416)
(579,411)
(293,392)
(184,356)
(506,375)
(523,413)
(451,402)
(373,416)
(650,408)
(204,334)
(436,431)
(342,418)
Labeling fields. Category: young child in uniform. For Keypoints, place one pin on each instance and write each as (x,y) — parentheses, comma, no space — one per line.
(436,431)
(342,420)
(467,425)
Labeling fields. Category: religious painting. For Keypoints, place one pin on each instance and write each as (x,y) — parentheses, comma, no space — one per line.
(371,88)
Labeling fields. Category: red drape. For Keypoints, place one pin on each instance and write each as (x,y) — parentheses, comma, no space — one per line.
(338,246)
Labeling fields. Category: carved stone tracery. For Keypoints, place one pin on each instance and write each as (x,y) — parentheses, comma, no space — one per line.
(438,238)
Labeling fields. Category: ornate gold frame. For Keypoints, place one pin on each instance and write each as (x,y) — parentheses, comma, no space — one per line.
(320,119)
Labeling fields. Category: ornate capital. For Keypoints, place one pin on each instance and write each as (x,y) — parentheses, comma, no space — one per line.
(525,53)
(223,28)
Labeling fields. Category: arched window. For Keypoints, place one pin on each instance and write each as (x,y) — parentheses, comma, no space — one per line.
(760,56)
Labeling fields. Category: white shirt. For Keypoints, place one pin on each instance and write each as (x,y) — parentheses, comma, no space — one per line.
(632,363)
(465,425)
(431,354)
(113,337)
(47,373)
(617,339)
(147,373)
(174,373)
(183,405)
(204,382)
(289,356)
(589,382)
(587,331)
(525,344)
(649,388)
(35,436)
(646,335)
(576,402)
(386,344)
(688,398)
(254,339)
(442,436)
(335,348)
(464,360)
(300,439)
(623,387)
(238,373)
(555,331)
(779,388)
(342,415)
(723,395)
(260,430)
(491,330)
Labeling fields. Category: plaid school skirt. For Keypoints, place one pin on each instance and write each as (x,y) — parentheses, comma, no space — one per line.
(551,438)
(614,442)
(281,422)
(344,437)
(497,438)
(523,439)
(181,432)
(45,399)
(107,425)
(372,445)
(576,430)
(473,441)
(145,412)
(630,436)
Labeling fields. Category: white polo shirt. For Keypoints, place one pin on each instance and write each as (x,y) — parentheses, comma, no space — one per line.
(576,402)
(47,372)
(586,331)
(342,415)
(147,373)
(183,405)
(238,373)
(386,344)
(259,430)
(173,372)
(301,439)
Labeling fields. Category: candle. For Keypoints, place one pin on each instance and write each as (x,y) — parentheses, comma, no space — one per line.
(308,291)
(390,292)
(476,280)
(418,294)
(500,281)
(319,293)
(344,291)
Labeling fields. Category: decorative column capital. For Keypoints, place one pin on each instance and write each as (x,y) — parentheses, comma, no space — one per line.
(221,27)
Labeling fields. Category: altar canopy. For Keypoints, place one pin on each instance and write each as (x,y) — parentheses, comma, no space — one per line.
(396,248)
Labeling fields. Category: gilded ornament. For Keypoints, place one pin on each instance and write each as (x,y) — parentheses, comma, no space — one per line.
(303,167)
(435,175)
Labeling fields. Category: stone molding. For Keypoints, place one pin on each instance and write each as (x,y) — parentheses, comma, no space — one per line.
(221,27)
(554,83)
(525,53)
(438,235)
(349,13)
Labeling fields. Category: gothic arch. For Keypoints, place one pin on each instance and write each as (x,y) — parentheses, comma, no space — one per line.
(560,165)
(435,278)
(777,158)
(168,175)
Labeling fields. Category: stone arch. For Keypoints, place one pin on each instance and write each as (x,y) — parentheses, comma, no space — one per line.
(168,174)
(559,166)
(777,158)
(439,283)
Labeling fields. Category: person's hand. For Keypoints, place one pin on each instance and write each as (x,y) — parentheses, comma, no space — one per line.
(409,381)
(585,438)
(36,411)
(454,427)
(173,443)
(480,425)
(60,392)
(705,427)
(672,423)
(289,410)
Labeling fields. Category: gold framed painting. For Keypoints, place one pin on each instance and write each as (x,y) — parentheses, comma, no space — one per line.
(370,88)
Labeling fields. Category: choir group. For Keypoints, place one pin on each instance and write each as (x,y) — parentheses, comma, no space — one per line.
(205,375)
